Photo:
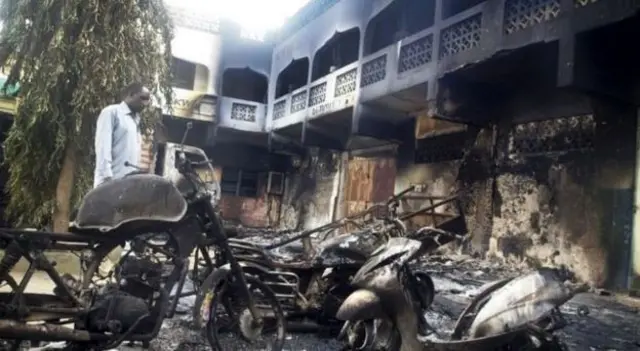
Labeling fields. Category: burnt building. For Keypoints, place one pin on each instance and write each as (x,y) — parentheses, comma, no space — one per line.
(220,80)
(527,108)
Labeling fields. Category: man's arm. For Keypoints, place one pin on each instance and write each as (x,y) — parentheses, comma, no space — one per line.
(104,133)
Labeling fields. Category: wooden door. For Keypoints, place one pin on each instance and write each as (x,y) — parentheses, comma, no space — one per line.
(368,181)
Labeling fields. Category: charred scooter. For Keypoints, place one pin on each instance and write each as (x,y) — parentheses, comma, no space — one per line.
(387,312)
(311,290)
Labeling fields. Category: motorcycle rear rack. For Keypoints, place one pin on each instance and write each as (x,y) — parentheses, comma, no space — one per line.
(285,285)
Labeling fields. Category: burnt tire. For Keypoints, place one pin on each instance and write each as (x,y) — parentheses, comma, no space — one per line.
(228,299)
(426,289)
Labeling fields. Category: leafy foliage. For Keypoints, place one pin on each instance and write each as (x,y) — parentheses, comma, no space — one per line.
(73,58)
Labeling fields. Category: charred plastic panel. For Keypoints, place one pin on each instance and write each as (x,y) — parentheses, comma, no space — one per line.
(353,248)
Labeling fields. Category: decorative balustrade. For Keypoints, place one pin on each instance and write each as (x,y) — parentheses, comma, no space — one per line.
(460,36)
(521,14)
(331,93)
(419,58)
(415,53)
(242,114)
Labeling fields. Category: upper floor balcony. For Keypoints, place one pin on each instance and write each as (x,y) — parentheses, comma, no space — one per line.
(217,75)
(244,68)
(242,104)
(196,56)
(320,86)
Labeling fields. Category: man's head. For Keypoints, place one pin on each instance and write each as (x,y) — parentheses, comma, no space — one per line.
(137,97)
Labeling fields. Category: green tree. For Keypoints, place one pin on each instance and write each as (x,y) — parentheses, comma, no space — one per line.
(72,58)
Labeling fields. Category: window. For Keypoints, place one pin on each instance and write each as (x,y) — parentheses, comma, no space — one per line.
(239,182)
(184,74)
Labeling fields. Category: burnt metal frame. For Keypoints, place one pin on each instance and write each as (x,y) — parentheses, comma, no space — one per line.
(252,255)
(21,245)
(213,228)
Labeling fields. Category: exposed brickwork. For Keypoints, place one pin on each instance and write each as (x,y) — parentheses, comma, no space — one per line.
(260,211)
(251,212)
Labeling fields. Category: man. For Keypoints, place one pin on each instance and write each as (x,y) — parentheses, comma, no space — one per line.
(118,138)
(118,141)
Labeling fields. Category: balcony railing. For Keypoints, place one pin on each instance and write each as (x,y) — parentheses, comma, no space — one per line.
(333,92)
(290,109)
(469,36)
(414,59)
(242,115)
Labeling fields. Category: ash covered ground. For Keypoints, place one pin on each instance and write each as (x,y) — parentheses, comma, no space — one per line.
(611,323)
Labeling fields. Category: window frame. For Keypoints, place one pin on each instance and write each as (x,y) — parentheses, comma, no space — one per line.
(179,66)
(238,183)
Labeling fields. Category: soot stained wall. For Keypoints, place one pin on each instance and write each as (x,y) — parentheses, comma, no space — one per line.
(311,191)
(551,192)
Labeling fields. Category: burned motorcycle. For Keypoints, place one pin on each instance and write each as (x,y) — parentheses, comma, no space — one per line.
(312,290)
(136,297)
(387,312)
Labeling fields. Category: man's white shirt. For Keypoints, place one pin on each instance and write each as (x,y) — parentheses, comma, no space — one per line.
(117,141)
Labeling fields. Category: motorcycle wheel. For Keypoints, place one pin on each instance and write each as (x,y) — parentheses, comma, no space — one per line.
(229,318)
